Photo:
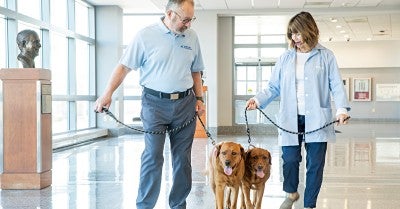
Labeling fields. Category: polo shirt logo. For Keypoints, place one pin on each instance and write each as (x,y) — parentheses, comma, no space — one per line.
(186,47)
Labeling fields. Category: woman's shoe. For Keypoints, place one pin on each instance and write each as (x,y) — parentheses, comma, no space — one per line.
(290,199)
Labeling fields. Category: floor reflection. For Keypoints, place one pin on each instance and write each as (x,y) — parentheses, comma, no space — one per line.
(362,172)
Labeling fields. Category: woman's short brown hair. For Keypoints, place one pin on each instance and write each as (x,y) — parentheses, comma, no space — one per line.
(304,24)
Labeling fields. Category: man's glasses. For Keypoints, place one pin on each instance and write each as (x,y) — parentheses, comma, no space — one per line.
(186,20)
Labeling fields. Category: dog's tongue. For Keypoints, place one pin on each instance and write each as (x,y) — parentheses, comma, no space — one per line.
(260,173)
(228,170)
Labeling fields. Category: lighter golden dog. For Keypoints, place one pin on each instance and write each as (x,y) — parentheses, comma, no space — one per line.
(226,170)
(257,172)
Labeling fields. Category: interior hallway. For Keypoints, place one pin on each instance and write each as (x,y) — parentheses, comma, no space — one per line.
(362,172)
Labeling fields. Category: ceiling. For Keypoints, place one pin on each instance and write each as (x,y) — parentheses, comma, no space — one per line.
(338,20)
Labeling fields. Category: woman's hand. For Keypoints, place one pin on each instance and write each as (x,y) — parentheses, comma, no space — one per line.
(251,104)
(343,118)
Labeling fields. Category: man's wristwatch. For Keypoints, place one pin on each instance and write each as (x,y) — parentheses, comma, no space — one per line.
(200,98)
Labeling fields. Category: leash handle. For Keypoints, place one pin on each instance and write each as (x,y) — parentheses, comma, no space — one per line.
(288,131)
(247,126)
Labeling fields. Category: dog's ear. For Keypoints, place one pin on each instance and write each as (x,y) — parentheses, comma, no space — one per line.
(248,154)
(269,157)
(242,152)
(217,148)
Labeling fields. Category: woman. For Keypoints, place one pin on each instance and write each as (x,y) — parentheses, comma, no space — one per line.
(304,77)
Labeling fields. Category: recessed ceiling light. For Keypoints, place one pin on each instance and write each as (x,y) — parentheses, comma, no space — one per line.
(333,19)
(338,26)
(342,31)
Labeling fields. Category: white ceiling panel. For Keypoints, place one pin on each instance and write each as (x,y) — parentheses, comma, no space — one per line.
(263,4)
(368,3)
(380,24)
(389,3)
(395,24)
(212,4)
(380,15)
(238,4)
(344,3)
(291,4)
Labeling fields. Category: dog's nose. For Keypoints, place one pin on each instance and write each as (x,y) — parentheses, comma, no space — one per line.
(227,163)
(259,167)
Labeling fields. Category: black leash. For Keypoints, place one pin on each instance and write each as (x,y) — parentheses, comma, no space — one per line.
(283,129)
(178,128)
(205,129)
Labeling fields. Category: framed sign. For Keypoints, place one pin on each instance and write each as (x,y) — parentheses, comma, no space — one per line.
(361,89)
(346,84)
(388,92)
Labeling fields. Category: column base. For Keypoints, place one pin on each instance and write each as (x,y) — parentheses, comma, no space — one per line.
(26,180)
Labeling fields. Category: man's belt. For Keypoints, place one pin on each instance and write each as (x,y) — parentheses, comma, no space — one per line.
(172,96)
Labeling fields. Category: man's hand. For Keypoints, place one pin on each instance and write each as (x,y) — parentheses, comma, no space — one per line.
(200,108)
(102,102)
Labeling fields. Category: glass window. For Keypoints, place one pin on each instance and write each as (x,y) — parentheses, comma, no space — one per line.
(30,8)
(246,25)
(81,18)
(82,118)
(1,3)
(246,39)
(132,110)
(265,41)
(239,115)
(82,68)
(59,63)
(131,84)
(246,77)
(244,54)
(3,43)
(273,39)
(58,13)
(59,116)
(274,53)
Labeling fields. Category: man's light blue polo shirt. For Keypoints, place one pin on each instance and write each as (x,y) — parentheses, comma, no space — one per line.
(165,60)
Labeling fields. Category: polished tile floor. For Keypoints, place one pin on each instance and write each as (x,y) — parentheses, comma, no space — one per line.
(362,172)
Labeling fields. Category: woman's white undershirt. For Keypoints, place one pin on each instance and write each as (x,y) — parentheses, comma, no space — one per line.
(301,59)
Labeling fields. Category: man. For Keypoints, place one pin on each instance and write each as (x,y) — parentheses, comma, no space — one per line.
(29,44)
(169,59)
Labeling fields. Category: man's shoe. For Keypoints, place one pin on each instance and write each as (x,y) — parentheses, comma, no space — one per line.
(290,199)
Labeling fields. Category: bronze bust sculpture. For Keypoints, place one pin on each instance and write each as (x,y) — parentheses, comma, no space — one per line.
(29,44)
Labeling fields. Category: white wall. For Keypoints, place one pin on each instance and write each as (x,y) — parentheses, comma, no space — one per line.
(206,28)
(366,54)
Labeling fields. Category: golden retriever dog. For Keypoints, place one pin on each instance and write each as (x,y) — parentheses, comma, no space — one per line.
(257,172)
(226,170)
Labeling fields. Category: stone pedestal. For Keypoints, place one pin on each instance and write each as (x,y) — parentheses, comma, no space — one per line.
(25,128)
